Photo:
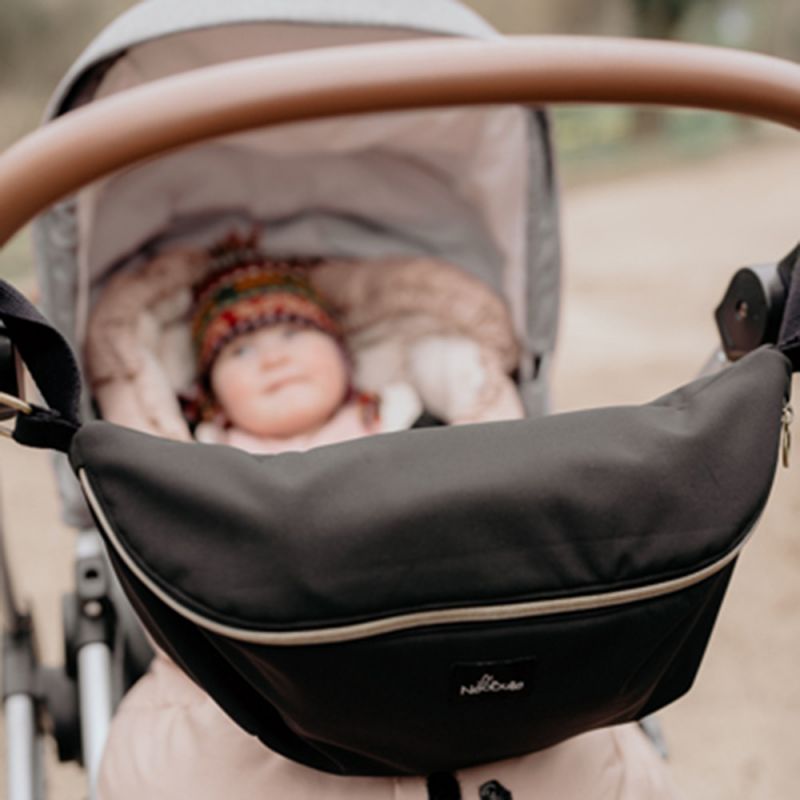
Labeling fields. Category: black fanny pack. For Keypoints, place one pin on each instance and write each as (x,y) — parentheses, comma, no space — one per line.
(422,601)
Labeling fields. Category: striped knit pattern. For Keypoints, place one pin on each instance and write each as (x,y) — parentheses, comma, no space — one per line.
(250,296)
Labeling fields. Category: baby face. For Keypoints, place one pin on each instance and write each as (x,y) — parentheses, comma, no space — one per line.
(280,380)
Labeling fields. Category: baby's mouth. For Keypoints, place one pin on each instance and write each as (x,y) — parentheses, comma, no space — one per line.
(279,383)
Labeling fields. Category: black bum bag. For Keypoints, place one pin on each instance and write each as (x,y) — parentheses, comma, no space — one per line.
(427,600)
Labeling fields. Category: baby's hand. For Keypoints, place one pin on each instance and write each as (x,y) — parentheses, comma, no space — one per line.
(449,375)
(400,407)
(459,381)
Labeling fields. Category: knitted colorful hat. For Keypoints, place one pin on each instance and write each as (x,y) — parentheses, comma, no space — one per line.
(248,292)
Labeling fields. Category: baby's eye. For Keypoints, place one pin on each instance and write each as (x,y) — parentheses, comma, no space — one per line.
(241,349)
(290,332)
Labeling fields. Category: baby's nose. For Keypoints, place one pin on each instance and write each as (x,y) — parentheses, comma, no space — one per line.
(270,355)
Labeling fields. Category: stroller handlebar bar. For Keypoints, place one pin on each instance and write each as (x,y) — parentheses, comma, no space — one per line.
(86,144)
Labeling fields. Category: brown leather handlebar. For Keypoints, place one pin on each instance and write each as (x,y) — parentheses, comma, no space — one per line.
(86,144)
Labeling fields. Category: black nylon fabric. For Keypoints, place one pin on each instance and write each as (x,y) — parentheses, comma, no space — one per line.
(381,706)
(592,669)
(426,519)
(484,515)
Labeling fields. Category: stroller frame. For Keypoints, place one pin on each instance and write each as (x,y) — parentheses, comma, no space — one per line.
(348,81)
(73,704)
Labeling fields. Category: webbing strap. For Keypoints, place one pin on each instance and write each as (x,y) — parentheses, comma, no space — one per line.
(54,369)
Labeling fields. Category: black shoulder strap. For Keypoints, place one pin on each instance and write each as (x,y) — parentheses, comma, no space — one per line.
(54,369)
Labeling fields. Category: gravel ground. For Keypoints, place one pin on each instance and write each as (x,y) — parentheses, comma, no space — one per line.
(648,258)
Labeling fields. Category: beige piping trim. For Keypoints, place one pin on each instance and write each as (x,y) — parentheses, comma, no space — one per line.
(401,622)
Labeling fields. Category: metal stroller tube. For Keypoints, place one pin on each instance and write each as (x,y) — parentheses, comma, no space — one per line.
(13,617)
(23,746)
(23,737)
(94,675)
(94,680)
(94,141)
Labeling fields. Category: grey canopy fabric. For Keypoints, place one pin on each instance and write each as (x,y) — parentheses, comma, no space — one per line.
(157,18)
(56,232)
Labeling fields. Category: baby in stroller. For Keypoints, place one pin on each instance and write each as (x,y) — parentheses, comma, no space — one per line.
(271,360)
(297,322)
(412,267)
(274,372)
(277,367)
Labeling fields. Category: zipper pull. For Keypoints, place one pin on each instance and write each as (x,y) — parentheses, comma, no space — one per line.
(787,417)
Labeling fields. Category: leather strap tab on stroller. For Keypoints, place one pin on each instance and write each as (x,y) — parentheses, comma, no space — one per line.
(789,336)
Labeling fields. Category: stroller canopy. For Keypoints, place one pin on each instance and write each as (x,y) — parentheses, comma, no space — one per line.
(444,183)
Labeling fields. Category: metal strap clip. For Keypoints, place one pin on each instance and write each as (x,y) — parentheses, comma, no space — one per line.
(17,405)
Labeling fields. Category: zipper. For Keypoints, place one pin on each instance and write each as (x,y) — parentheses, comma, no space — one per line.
(418,619)
(787,417)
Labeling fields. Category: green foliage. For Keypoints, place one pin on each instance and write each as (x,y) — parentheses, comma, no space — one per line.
(23,24)
(660,18)
(40,38)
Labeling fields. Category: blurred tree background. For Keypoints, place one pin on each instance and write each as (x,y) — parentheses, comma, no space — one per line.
(604,140)
(40,38)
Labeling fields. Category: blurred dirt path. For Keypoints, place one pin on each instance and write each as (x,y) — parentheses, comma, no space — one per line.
(648,258)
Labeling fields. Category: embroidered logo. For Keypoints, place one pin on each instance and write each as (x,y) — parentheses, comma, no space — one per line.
(488,683)
(492,679)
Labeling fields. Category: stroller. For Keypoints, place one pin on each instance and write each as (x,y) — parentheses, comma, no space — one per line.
(507,239)
(461,185)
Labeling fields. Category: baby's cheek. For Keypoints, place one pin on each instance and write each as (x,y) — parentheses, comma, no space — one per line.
(229,383)
(333,373)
